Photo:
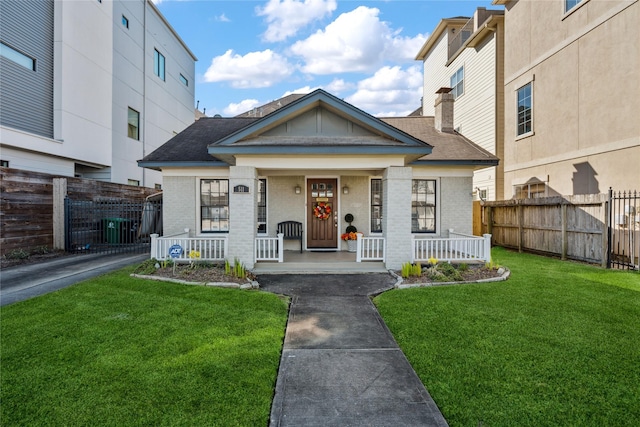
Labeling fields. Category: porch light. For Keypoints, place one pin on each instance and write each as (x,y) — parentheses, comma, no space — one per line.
(297,189)
(345,190)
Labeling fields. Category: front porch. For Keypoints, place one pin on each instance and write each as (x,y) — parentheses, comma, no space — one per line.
(314,262)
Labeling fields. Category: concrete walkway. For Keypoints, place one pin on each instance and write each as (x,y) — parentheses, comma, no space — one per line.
(340,365)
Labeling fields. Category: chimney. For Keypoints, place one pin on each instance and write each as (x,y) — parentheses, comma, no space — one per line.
(444,110)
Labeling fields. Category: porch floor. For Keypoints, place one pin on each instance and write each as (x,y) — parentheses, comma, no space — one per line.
(312,262)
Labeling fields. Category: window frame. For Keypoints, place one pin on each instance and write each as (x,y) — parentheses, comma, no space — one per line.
(415,200)
(526,132)
(129,124)
(574,4)
(376,206)
(220,228)
(459,82)
(262,205)
(159,64)
(125,22)
(184,80)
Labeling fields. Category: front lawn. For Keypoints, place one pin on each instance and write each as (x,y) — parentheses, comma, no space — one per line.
(117,351)
(558,344)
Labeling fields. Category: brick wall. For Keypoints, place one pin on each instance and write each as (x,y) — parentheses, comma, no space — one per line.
(179,206)
(456,205)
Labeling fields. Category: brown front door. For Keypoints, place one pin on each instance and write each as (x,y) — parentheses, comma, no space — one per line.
(322,213)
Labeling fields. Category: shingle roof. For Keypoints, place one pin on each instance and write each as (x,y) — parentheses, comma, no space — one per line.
(446,146)
(272,106)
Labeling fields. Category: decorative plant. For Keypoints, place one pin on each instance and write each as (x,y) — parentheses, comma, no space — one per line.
(409,270)
(193,255)
(350,228)
(349,236)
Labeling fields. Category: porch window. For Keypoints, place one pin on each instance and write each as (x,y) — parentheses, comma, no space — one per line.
(214,205)
(376,205)
(423,206)
(262,206)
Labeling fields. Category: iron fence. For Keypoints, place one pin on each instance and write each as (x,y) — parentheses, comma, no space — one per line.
(623,246)
(111,226)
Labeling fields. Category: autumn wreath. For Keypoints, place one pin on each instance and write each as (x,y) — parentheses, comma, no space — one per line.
(322,210)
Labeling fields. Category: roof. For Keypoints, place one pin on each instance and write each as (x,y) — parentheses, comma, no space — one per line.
(448,148)
(272,106)
(458,21)
(214,141)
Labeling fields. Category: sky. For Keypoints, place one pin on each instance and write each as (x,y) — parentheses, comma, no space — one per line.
(254,52)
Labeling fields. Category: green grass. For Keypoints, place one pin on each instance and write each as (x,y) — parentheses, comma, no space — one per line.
(558,344)
(117,351)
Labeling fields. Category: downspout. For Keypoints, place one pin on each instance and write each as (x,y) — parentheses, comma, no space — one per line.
(144,89)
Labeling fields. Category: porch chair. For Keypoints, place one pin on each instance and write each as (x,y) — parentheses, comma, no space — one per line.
(292,230)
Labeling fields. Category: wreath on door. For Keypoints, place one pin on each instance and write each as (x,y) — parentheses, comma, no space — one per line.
(322,210)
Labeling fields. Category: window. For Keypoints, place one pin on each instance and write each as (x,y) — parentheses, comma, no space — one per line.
(530,191)
(262,206)
(133,124)
(570,4)
(157,186)
(133,182)
(158,64)
(125,22)
(184,80)
(4,163)
(214,205)
(482,194)
(423,206)
(457,83)
(376,205)
(525,110)
(17,57)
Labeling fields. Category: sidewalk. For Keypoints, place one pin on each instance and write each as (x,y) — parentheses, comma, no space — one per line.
(30,280)
(340,365)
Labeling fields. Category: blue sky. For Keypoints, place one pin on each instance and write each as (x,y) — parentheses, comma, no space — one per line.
(253,52)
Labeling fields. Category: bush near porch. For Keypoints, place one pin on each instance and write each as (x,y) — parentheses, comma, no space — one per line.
(116,350)
(556,344)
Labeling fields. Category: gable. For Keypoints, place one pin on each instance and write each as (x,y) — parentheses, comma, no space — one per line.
(319,122)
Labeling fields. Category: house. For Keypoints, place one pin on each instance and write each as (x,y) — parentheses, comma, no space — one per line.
(466,54)
(89,87)
(572,96)
(313,161)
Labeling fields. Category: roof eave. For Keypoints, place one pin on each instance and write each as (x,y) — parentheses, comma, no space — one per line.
(435,35)
(158,165)
(218,150)
(445,162)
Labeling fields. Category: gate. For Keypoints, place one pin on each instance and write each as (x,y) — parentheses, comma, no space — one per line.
(624,230)
(111,226)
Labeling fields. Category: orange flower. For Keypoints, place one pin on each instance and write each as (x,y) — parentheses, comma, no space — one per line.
(349,236)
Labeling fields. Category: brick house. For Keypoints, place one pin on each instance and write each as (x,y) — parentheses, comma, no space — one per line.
(313,160)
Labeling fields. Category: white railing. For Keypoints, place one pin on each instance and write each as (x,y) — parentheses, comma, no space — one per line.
(457,248)
(270,248)
(370,248)
(208,248)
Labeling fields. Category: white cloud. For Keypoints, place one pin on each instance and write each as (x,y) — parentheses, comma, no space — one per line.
(303,90)
(286,17)
(222,18)
(253,70)
(241,107)
(391,91)
(357,41)
(338,86)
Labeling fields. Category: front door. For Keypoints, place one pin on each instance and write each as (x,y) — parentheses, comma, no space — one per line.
(322,214)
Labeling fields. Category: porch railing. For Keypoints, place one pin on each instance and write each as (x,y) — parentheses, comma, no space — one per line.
(270,248)
(204,248)
(457,247)
(370,248)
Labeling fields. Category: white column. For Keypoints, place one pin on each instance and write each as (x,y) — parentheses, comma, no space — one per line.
(396,215)
(243,215)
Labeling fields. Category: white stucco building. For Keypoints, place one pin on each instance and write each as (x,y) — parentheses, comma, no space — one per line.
(89,87)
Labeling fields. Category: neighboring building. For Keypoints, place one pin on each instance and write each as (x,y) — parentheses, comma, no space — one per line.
(466,55)
(572,97)
(314,160)
(89,87)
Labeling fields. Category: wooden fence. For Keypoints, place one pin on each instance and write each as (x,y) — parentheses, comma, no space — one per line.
(573,227)
(32,205)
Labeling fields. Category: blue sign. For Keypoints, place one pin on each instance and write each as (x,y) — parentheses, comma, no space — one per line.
(175,251)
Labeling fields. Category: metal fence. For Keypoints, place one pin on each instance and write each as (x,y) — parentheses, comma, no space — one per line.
(624,230)
(111,226)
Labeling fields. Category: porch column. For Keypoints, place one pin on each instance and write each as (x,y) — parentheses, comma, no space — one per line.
(396,217)
(243,214)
